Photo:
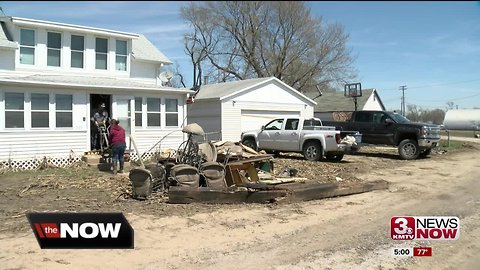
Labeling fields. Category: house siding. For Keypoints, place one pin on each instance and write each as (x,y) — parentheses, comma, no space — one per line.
(231,114)
(7,62)
(372,104)
(157,140)
(207,114)
(20,145)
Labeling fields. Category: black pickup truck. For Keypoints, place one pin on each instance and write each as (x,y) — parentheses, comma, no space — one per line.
(389,128)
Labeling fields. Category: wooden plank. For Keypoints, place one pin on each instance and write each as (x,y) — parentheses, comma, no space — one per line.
(252,172)
(325,191)
(185,195)
(294,192)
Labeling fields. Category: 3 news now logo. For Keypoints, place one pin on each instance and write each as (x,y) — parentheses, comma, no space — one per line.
(425,228)
(81,230)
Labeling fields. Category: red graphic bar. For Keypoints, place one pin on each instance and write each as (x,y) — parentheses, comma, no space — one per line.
(39,230)
(422,251)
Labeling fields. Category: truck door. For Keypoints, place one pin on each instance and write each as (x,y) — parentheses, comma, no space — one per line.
(383,132)
(364,124)
(288,140)
(266,138)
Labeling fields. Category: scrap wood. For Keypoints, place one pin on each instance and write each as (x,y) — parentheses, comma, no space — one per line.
(283,180)
(249,150)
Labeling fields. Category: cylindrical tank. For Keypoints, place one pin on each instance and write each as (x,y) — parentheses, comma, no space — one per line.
(466,119)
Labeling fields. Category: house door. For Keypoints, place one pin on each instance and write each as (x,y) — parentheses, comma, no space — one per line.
(122,111)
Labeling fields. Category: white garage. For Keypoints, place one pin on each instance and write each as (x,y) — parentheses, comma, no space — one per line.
(225,110)
(255,119)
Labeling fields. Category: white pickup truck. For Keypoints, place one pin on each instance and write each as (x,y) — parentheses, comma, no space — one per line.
(304,135)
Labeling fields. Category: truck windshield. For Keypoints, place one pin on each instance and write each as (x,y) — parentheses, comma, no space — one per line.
(399,118)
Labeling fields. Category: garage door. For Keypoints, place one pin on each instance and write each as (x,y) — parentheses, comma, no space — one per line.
(255,119)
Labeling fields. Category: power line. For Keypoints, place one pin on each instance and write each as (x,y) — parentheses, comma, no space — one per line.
(433,85)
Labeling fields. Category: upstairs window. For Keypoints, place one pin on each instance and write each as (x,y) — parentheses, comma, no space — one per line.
(27,46)
(121,55)
(54,46)
(63,110)
(14,110)
(40,109)
(77,47)
(101,50)
(171,112)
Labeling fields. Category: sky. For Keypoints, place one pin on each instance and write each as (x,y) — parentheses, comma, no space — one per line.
(431,47)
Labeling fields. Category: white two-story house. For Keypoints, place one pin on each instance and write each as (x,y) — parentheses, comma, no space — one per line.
(53,76)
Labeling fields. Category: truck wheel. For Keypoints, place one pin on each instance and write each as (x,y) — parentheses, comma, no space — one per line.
(334,158)
(312,151)
(250,143)
(426,152)
(408,149)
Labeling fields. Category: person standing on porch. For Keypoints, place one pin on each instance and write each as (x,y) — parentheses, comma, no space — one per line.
(117,142)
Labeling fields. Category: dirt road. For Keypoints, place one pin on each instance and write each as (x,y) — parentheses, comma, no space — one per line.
(349,232)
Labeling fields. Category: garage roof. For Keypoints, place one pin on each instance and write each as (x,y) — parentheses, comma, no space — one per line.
(227,89)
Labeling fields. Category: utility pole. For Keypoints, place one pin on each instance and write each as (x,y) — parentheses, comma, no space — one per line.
(403,88)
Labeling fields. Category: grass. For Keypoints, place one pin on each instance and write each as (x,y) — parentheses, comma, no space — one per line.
(460,133)
(454,145)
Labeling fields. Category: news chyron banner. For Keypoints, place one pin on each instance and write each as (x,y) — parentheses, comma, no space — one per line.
(425,228)
(82,230)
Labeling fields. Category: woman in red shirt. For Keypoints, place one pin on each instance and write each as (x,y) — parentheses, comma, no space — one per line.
(117,141)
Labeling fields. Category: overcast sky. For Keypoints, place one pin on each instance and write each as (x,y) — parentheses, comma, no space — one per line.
(431,47)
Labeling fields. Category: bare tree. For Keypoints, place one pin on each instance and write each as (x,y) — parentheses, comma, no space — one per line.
(250,39)
(450,105)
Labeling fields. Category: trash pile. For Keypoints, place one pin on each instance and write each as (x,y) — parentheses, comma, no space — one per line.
(220,165)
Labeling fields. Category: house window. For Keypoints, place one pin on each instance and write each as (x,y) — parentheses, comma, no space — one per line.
(63,110)
(153,112)
(27,46)
(54,46)
(121,55)
(138,112)
(77,46)
(171,112)
(101,50)
(40,115)
(14,110)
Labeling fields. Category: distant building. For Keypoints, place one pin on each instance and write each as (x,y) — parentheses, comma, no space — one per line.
(332,104)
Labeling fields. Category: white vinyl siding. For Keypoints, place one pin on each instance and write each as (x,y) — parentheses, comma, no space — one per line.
(207,114)
(101,53)
(54,49)
(77,46)
(21,145)
(27,46)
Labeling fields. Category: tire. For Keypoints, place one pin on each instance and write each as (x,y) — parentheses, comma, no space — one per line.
(312,151)
(426,152)
(334,158)
(408,149)
(250,143)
